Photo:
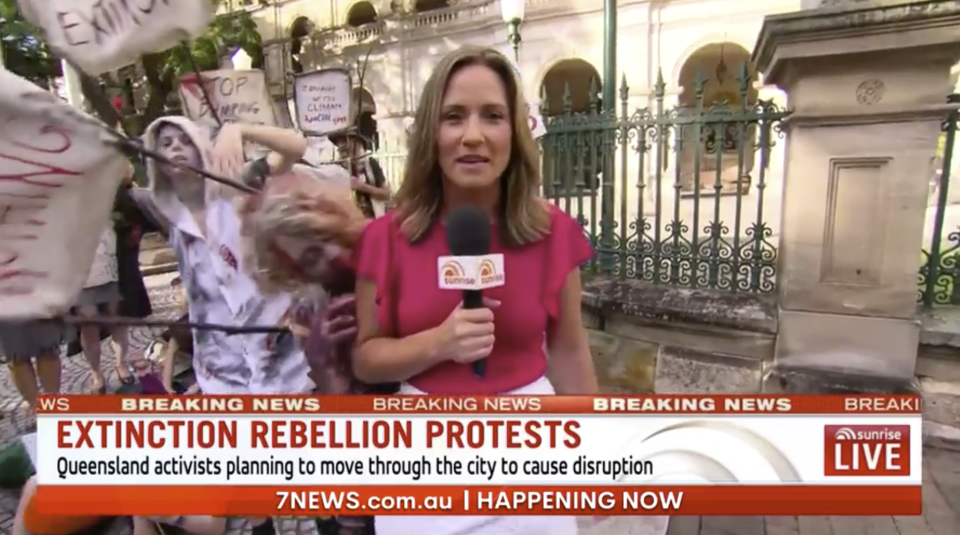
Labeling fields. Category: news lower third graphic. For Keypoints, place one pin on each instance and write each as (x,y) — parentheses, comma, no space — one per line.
(761,449)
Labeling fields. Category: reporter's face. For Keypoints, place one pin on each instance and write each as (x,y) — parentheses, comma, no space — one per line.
(474,134)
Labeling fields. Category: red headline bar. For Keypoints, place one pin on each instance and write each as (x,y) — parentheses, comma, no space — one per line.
(606,405)
(833,500)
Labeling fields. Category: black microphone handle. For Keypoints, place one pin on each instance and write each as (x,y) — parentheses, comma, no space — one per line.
(473,299)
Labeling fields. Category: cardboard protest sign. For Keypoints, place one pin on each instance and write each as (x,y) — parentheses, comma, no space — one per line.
(238,96)
(104,35)
(57,184)
(322,101)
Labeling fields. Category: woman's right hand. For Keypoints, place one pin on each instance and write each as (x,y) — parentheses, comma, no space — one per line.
(467,335)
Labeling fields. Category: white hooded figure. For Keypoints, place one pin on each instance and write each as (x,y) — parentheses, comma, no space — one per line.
(204,228)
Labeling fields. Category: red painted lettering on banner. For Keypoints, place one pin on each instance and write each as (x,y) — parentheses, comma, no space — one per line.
(26,181)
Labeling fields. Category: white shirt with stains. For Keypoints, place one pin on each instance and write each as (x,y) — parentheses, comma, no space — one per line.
(219,291)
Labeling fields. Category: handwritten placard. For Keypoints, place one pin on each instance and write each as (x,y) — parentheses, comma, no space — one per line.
(322,101)
(100,36)
(57,184)
(238,96)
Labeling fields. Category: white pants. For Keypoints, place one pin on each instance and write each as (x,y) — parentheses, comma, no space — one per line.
(479,525)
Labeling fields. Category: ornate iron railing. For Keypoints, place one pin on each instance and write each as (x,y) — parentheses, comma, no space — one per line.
(940,267)
(671,196)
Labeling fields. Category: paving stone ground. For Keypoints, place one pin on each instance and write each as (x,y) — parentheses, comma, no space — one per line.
(941,473)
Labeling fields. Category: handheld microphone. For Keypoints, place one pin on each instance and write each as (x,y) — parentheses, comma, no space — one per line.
(468,235)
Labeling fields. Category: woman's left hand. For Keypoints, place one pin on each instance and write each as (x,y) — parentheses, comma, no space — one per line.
(227,157)
(339,324)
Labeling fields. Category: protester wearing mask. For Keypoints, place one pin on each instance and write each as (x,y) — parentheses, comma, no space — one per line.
(472,147)
(368,181)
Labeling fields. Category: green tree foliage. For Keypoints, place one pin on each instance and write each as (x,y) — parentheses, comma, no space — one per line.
(149,87)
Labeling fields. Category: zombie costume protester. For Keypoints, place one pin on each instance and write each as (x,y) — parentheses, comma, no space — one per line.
(204,232)
(299,235)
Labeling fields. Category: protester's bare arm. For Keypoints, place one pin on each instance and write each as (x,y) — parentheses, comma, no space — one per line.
(381,359)
(147,203)
(286,146)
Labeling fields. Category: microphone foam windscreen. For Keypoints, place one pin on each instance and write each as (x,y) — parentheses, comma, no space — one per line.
(468,232)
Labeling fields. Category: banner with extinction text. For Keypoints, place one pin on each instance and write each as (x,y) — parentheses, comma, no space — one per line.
(105,35)
(476,455)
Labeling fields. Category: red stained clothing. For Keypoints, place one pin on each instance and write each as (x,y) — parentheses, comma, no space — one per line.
(410,300)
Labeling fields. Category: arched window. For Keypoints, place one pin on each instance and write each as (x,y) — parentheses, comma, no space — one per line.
(571,161)
(422,6)
(361,13)
(301,27)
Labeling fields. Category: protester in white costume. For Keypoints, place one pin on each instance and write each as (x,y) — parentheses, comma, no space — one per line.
(204,232)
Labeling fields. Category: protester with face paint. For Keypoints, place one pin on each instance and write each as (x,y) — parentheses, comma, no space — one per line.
(204,230)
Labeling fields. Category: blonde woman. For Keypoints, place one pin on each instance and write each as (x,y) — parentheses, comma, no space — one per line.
(472,147)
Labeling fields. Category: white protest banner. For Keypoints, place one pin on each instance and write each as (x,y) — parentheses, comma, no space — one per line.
(57,184)
(322,101)
(104,35)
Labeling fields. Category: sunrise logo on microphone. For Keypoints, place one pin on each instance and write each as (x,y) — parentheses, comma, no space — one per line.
(488,273)
(452,274)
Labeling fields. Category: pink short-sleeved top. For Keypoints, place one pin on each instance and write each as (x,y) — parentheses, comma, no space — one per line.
(410,300)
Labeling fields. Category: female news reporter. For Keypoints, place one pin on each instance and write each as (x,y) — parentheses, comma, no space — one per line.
(472,147)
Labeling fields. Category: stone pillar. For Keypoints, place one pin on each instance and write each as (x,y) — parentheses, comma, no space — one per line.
(866,83)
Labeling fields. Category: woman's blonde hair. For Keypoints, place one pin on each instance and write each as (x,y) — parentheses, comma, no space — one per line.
(524,217)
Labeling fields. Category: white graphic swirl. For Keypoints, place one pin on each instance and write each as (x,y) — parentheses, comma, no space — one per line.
(708,451)
(845,433)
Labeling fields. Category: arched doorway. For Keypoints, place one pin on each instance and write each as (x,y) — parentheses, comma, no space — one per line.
(571,160)
(366,116)
(300,29)
(576,76)
(361,13)
(422,6)
(714,87)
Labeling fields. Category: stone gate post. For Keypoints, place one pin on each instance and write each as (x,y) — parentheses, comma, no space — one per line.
(866,82)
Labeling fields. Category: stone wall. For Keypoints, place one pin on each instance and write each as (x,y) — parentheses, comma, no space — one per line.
(648,339)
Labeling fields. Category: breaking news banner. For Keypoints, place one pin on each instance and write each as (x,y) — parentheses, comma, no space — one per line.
(476,455)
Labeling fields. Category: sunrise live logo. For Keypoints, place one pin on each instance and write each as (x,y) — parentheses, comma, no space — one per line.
(866,450)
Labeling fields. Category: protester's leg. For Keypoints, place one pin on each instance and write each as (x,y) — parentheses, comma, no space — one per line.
(28,520)
(121,337)
(19,522)
(193,524)
(142,526)
(49,369)
(169,358)
(90,342)
(25,379)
